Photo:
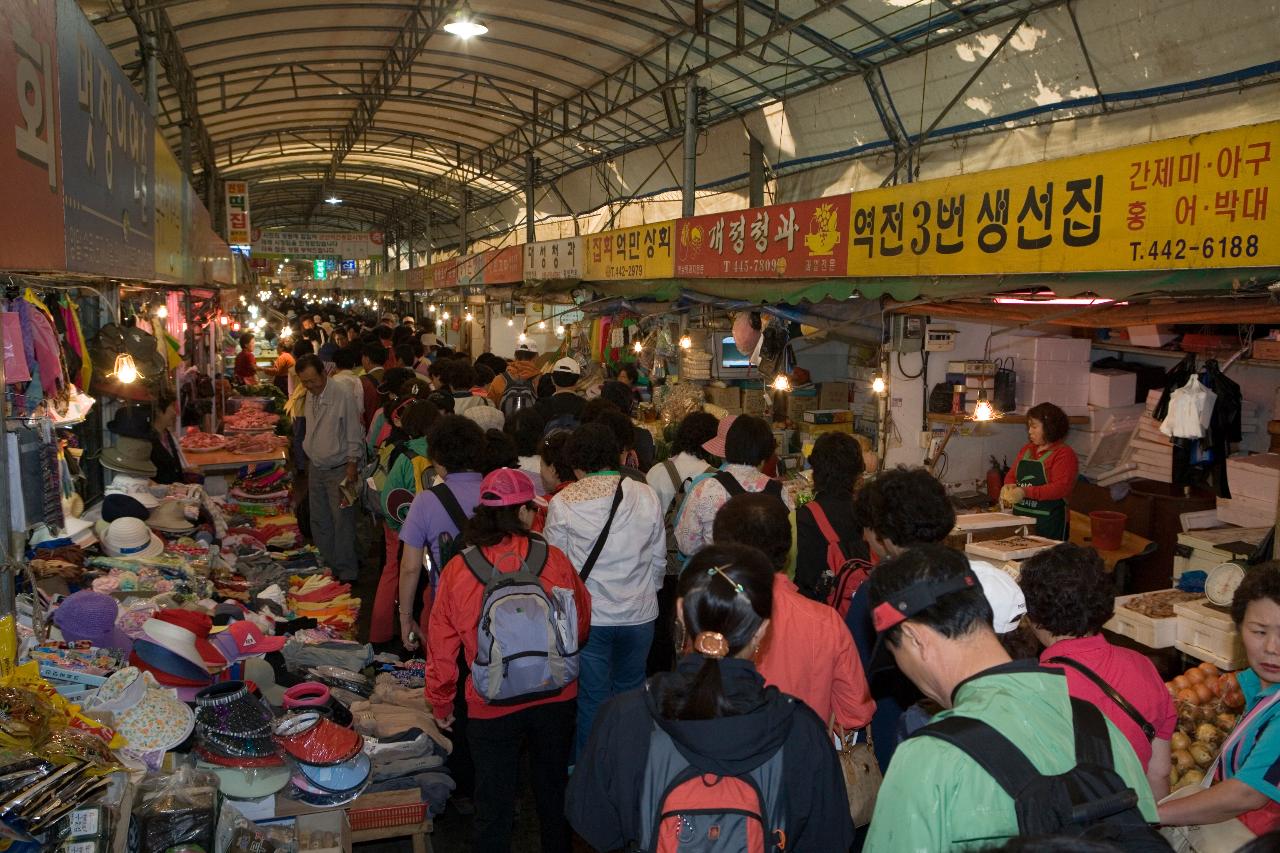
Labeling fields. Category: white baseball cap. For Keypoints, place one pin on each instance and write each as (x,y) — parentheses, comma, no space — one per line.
(527,346)
(567,365)
(1008,604)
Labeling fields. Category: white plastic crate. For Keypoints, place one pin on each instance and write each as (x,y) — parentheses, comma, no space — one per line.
(1152,633)
(1208,634)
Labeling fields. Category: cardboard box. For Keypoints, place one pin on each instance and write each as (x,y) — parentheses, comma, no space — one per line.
(329,824)
(1109,388)
(1266,350)
(828,416)
(814,430)
(833,395)
(726,398)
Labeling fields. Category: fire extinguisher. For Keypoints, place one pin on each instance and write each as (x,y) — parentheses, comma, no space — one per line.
(995,480)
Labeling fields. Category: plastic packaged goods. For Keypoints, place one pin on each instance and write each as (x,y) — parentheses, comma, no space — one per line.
(177,810)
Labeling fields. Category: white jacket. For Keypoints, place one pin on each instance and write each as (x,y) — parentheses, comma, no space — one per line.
(625,580)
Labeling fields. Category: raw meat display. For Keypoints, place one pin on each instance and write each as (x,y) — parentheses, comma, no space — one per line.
(253,443)
(1159,605)
(195,441)
(251,418)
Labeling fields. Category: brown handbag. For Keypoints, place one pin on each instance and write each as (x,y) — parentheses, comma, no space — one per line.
(862,775)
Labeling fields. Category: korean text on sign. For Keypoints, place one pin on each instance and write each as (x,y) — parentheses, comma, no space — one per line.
(630,253)
(1198,201)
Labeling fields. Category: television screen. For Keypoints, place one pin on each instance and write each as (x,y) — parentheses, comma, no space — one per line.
(731,356)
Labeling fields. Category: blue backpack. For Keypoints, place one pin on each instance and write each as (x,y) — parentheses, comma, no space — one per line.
(526,638)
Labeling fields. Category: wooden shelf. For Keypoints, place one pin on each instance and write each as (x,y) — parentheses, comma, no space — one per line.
(1177,355)
(1006,419)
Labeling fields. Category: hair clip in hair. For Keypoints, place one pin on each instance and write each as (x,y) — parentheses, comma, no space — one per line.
(711,644)
(720,570)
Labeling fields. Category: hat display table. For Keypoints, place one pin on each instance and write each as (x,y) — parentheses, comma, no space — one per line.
(219,464)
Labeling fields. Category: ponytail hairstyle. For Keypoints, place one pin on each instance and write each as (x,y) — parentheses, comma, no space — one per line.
(727,592)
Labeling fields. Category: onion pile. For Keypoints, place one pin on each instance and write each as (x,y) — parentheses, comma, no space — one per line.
(1208,701)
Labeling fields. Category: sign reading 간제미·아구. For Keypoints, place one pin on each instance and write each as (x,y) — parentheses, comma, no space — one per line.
(644,251)
(1191,202)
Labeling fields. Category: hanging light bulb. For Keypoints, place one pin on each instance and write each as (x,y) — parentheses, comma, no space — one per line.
(444,316)
(162,312)
(468,317)
(224,320)
(126,371)
(286,333)
(638,347)
(781,382)
(878,385)
(431,308)
(511,323)
(542,325)
(686,342)
(984,410)
(523,338)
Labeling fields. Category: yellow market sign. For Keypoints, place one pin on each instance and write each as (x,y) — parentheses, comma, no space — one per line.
(1191,202)
(645,251)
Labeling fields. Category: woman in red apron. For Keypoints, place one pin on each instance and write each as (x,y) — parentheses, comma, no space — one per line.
(1240,791)
(1041,480)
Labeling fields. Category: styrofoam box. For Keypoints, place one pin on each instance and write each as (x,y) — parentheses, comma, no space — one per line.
(1256,476)
(1150,336)
(1152,633)
(1112,387)
(1051,348)
(1236,511)
(1208,634)
(1060,372)
(1100,418)
(1063,396)
(1198,551)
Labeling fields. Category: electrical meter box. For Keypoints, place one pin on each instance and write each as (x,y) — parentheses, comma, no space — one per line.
(907,333)
(939,339)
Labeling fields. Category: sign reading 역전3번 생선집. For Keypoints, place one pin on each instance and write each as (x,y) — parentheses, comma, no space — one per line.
(644,251)
(804,239)
(1191,202)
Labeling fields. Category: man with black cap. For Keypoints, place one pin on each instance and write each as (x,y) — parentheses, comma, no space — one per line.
(933,620)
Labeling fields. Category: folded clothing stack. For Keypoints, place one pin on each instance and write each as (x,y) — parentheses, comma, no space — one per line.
(326,600)
(406,747)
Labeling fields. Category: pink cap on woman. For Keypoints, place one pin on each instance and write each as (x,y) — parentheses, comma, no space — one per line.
(506,487)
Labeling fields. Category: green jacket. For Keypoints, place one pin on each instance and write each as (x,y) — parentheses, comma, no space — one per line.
(406,477)
(936,798)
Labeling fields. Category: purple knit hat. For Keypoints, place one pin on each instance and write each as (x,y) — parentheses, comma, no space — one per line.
(89,615)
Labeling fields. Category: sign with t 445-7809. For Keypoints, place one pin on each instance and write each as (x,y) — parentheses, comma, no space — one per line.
(1197,201)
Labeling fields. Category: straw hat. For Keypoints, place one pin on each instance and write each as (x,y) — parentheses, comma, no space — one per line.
(168,517)
(130,538)
(137,487)
(89,615)
(129,456)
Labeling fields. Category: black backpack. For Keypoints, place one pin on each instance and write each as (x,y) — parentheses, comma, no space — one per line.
(517,395)
(1088,801)
(734,488)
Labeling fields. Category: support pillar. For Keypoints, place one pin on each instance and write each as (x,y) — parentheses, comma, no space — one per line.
(151,62)
(690,145)
(462,224)
(530,174)
(755,174)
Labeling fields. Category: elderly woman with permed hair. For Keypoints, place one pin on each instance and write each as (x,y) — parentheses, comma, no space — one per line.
(1044,474)
(1241,798)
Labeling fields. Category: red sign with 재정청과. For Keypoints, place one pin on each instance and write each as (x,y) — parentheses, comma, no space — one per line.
(803,239)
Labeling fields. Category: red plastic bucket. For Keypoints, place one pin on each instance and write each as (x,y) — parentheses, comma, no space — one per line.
(1107,529)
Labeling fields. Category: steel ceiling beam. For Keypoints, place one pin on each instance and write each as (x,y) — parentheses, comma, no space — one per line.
(619,91)
(152,20)
(424,21)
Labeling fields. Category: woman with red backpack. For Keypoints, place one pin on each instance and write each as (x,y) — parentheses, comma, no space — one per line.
(831,558)
(708,754)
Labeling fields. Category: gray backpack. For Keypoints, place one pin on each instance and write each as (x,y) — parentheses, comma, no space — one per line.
(685,808)
(526,639)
